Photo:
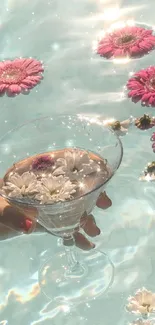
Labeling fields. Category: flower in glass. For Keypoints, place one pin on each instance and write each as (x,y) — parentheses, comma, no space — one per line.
(143,302)
(20,185)
(55,189)
(145,122)
(42,163)
(129,41)
(75,164)
(19,75)
(142,87)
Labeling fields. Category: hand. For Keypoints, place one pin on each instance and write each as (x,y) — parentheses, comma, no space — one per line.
(13,221)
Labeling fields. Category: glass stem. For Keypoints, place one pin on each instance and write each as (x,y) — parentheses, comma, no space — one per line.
(74,267)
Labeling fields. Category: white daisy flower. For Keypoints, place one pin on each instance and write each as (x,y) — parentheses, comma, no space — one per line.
(75,164)
(54,189)
(120,128)
(143,302)
(148,173)
(20,185)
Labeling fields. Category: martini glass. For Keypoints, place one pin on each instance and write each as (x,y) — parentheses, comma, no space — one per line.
(71,274)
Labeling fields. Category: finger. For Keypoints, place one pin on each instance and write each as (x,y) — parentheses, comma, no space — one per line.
(90,226)
(16,220)
(103,201)
(82,242)
(13,218)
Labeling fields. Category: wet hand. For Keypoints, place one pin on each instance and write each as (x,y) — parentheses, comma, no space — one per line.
(13,221)
(88,224)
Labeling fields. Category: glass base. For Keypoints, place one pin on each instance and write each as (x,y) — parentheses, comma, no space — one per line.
(93,276)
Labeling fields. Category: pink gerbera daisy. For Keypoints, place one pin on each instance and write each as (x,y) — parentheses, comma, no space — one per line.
(129,41)
(142,87)
(19,75)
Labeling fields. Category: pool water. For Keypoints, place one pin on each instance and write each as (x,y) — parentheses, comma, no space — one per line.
(76,80)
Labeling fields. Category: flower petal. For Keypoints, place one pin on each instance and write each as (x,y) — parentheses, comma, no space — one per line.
(14,89)
(3,88)
(29,83)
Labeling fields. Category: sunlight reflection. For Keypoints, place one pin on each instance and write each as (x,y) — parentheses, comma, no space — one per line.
(122,60)
(112,13)
(13,295)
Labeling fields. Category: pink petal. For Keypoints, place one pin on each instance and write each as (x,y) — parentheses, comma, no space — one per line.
(153,145)
(25,87)
(2,65)
(29,83)
(135,50)
(151,71)
(32,64)
(35,78)
(153,137)
(142,74)
(35,65)
(26,62)
(18,61)
(144,45)
(133,93)
(104,49)
(119,53)
(135,85)
(136,99)
(14,89)
(146,97)
(148,32)
(31,71)
(153,103)
(151,100)
(3,88)
(6,63)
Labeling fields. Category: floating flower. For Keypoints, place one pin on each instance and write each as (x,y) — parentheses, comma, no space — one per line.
(142,87)
(143,302)
(20,185)
(153,137)
(42,163)
(145,122)
(75,164)
(19,75)
(153,147)
(149,172)
(142,322)
(129,41)
(55,189)
(120,128)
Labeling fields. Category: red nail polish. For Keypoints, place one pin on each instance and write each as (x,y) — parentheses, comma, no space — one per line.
(26,224)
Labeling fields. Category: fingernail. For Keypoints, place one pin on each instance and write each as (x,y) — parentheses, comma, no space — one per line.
(26,225)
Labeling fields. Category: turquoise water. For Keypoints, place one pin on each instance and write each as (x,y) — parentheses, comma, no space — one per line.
(77,81)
